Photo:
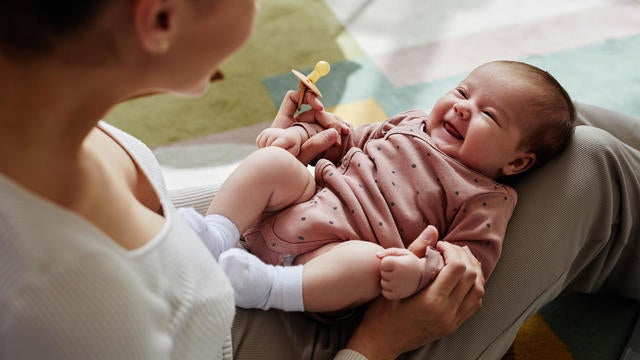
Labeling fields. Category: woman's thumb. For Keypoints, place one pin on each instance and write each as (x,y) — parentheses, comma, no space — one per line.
(428,237)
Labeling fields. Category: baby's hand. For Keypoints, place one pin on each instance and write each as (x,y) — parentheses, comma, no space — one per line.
(290,139)
(268,136)
(401,272)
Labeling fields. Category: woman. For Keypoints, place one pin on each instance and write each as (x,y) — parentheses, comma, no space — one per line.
(95,261)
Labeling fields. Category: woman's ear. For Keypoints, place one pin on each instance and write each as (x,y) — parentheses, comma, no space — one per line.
(154,24)
(523,162)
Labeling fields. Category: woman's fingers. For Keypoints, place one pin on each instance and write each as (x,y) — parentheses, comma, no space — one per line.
(428,237)
(325,119)
(463,280)
(452,273)
(473,298)
(317,144)
(289,106)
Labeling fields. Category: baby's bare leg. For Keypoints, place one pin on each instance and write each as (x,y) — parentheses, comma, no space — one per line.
(334,277)
(267,180)
(340,276)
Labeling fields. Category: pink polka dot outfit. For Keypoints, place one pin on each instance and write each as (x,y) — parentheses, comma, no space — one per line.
(389,183)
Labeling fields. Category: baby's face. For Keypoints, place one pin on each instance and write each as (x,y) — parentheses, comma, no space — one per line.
(482,121)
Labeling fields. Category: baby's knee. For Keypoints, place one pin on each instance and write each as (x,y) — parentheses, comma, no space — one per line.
(272,155)
(273,162)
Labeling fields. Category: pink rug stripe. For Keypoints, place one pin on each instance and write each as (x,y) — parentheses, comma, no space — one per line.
(455,55)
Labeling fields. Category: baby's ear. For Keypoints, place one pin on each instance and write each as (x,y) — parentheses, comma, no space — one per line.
(523,162)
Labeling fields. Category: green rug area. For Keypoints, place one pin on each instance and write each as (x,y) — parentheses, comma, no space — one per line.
(577,326)
(240,98)
(592,326)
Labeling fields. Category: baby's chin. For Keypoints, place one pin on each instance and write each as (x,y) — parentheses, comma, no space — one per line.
(445,142)
(446,148)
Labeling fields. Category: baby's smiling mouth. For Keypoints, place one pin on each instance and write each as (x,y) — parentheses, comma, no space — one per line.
(452,130)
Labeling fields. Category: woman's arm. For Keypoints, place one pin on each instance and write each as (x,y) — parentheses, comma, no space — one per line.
(390,328)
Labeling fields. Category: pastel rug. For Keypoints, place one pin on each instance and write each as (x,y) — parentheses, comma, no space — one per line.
(389,56)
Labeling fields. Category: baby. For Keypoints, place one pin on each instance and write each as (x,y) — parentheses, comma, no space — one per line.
(338,240)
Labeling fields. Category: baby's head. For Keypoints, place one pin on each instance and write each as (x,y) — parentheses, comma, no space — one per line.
(504,118)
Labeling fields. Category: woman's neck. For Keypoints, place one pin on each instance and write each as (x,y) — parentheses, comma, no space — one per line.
(54,101)
(47,105)
(46,113)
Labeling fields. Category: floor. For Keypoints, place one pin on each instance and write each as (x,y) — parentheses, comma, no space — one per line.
(406,56)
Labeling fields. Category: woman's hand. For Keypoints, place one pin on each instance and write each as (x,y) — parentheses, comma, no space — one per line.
(333,124)
(390,328)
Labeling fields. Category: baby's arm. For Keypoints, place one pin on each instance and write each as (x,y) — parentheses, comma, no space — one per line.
(481,228)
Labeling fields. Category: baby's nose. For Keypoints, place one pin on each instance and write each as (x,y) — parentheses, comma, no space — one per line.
(462,109)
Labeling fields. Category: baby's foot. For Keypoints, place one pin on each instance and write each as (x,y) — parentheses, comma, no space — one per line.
(251,278)
(259,285)
(401,273)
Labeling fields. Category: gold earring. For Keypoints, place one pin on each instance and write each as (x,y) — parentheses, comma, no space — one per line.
(164,46)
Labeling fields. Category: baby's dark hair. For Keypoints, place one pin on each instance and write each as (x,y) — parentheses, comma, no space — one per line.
(30,29)
(554,111)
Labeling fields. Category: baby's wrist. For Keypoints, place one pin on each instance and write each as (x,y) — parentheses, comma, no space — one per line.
(300,132)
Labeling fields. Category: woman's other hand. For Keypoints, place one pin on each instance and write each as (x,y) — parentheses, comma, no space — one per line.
(390,328)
